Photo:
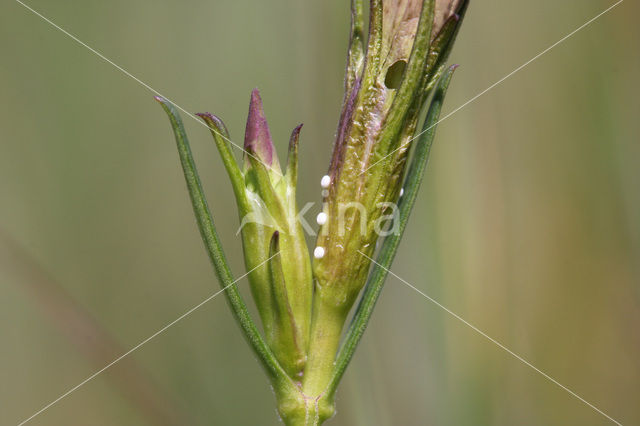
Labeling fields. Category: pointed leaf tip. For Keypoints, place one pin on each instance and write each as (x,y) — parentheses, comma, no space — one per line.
(275,242)
(214,122)
(164,102)
(292,161)
(295,135)
(205,115)
(297,129)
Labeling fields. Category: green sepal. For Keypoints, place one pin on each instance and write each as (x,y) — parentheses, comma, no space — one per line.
(292,159)
(443,43)
(260,178)
(221,138)
(390,245)
(287,344)
(411,81)
(356,52)
(374,46)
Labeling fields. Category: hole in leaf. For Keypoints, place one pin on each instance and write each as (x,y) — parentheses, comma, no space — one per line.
(394,74)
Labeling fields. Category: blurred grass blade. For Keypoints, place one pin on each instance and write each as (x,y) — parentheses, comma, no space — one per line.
(214,249)
(390,245)
(89,337)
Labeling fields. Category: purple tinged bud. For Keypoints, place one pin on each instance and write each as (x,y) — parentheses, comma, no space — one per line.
(257,138)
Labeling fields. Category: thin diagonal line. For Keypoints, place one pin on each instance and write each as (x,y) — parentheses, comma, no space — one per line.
(497,83)
(142,83)
(500,345)
(136,347)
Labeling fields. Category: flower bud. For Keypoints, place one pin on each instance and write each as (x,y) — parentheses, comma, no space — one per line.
(274,247)
(257,138)
(386,88)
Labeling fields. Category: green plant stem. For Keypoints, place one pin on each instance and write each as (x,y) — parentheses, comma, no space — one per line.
(326,329)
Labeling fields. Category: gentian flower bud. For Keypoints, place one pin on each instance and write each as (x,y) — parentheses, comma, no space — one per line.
(386,88)
(281,288)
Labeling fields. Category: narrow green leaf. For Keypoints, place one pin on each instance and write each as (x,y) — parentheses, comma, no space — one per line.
(390,245)
(214,249)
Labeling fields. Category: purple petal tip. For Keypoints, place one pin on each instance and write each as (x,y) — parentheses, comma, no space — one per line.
(257,137)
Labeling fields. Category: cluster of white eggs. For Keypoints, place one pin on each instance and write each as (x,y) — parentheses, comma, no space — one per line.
(322,217)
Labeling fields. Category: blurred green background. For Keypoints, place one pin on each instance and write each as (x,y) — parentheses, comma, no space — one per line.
(528,225)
